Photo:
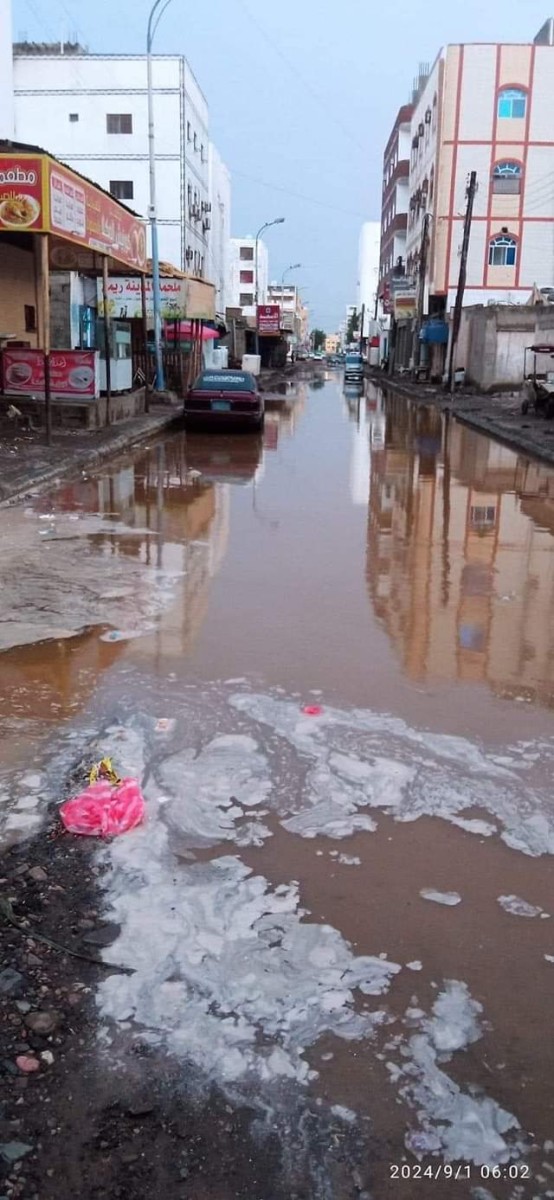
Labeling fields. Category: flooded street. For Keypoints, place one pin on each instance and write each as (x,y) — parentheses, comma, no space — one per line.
(326,653)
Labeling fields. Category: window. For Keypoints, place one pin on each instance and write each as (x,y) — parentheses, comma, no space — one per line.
(506,179)
(246,299)
(196,141)
(431,185)
(434,116)
(502,251)
(247,277)
(119,123)
(512,103)
(30,318)
(247,253)
(202,151)
(480,515)
(122,189)
(189,132)
(73,117)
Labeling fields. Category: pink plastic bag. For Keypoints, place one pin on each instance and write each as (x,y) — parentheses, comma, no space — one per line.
(103,810)
(312,710)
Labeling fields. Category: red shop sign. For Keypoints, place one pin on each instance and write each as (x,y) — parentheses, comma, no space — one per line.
(72,373)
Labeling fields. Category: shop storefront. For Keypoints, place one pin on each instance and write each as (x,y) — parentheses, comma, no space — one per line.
(53,220)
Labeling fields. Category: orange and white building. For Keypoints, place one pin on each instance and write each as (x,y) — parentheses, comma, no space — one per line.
(486,108)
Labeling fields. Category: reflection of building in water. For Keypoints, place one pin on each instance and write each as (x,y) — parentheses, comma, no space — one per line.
(192,520)
(459,557)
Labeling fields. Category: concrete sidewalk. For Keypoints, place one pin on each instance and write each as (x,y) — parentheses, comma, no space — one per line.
(27,463)
(498,416)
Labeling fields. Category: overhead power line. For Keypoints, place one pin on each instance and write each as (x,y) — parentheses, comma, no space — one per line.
(275,187)
(320,97)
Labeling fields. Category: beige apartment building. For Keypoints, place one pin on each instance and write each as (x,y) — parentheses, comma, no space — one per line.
(485,108)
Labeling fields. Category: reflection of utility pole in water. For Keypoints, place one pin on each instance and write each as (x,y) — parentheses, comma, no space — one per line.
(446,510)
(160,464)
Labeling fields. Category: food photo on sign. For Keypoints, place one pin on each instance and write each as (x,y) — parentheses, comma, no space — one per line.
(20,193)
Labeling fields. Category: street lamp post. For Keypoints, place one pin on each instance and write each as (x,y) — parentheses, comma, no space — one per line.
(268,224)
(156,13)
(293,267)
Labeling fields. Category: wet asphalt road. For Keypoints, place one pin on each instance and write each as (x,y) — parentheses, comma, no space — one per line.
(347,908)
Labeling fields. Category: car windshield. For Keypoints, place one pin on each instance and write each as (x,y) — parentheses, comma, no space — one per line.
(354,360)
(225,381)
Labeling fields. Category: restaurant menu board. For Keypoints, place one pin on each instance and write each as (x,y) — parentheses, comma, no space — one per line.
(20,193)
(73,373)
(67,205)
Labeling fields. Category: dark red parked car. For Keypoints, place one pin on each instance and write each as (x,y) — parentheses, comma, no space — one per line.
(225,398)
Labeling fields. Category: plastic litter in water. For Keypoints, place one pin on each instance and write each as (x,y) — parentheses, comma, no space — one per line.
(105,810)
(164,725)
(312,710)
(119,635)
(449,898)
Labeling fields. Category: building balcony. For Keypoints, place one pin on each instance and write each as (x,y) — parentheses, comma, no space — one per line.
(399,224)
(401,171)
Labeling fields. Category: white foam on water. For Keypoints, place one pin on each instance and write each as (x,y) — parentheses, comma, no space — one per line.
(416,965)
(549,958)
(220,957)
(519,908)
(354,764)
(207,793)
(448,898)
(349,860)
(469,1127)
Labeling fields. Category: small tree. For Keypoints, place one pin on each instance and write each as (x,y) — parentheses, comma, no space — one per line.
(318,339)
(352,327)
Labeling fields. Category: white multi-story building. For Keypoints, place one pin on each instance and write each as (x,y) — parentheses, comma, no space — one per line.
(90,110)
(243,274)
(219,239)
(368,268)
(7,127)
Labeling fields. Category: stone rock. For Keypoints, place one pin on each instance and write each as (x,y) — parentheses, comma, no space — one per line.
(43,1022)
(12,1151)
(38,874)
(23,1006)
(11,982)
(34,961)
(104,935)
(47,1057)
(27,1064)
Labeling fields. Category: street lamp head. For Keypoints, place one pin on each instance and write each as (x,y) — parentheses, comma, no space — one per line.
(278,221)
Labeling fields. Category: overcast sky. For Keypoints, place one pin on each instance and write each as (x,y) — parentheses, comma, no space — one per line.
(302,97)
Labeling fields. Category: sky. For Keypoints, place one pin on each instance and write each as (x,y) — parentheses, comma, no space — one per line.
(302,97)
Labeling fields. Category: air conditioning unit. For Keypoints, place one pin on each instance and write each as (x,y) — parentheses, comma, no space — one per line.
(206,224)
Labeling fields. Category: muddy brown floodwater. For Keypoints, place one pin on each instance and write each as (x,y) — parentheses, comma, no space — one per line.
(338,916)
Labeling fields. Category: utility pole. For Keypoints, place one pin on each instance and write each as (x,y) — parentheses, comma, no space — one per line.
(456,321)
(416,345)
(362,318)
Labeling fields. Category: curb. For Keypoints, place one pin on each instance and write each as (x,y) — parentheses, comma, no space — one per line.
(515,439)
(88,459)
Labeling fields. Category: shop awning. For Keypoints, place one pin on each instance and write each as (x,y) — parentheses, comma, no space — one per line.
(39,194)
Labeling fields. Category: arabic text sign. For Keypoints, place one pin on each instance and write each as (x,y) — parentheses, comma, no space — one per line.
(21,203)
(72,373)
(125,301)
(269,318)
(181,299)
